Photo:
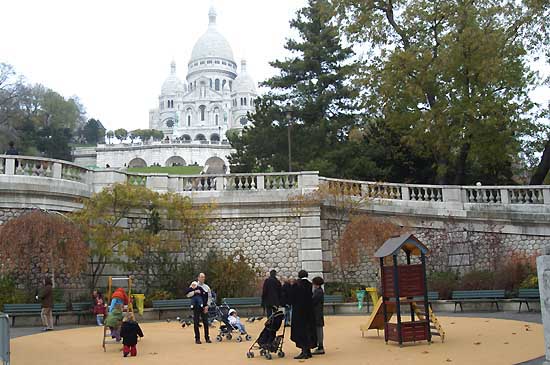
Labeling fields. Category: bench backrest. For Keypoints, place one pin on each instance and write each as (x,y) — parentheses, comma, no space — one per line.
(171,303)
(244,301)
(332,299)
(528,293)
(478,294)
(81,306)
(32,308)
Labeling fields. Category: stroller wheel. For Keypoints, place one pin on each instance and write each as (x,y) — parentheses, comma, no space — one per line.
(268,355)
(219,338)
(250,354)
(262,352)
(248,337)
(281,354)
(228,336)
(239,339)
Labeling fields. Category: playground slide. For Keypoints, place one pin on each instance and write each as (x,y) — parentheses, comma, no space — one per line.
(376,319)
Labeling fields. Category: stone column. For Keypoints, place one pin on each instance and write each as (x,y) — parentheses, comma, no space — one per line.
(543,270)
(311,250)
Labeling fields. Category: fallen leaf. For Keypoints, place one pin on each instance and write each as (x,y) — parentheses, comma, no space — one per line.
(425,352)
(477,343)
(452,323)
(506,343)
(514,333)
(449,360)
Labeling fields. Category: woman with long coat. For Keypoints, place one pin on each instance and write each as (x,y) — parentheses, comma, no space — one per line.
(302,330)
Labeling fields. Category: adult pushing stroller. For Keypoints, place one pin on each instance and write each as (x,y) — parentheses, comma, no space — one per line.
(269,341)
(226,328)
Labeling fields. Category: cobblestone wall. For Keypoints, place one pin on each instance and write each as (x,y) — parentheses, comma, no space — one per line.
(455,247)
(8,213)
(270,243)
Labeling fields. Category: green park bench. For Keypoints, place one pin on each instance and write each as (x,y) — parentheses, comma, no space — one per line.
(334,299)
(81,309)
(477,296)
(27,310)
(171,304)
(243,302)
(526,296)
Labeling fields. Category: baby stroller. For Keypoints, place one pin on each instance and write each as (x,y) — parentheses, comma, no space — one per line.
(226,329)
(269,341)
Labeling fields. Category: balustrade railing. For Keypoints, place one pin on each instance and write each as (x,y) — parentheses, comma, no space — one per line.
(487,195)
(441,193)
(42,167)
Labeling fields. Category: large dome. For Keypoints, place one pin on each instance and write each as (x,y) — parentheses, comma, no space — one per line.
(212,44)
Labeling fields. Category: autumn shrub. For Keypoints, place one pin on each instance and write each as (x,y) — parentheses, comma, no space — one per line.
(158,295)
(514,271)
(231,276)
(10,294)
(530,282)
(477,280)
(443,282)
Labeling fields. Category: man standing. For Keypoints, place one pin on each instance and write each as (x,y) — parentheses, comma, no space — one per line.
(201,314)
(303,331)
(11,149)
(46,299)
(271,293)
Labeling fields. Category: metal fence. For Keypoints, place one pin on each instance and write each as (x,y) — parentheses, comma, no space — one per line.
(4,339)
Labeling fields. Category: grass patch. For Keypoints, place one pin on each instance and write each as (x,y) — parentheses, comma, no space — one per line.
(172,170)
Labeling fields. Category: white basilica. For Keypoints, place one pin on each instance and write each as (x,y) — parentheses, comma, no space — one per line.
(214,97)
(194,114)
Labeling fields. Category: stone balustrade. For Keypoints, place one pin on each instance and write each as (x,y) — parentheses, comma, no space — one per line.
(43,167)
(530,194)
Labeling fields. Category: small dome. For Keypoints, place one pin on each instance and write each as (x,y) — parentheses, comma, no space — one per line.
(244,83)
(172,84)
(212,44)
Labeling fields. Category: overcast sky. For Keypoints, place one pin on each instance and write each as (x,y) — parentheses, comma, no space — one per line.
(115,54)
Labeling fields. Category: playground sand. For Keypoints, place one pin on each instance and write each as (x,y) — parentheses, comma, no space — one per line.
(468,341)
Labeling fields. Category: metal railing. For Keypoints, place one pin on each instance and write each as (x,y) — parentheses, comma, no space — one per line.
(4,339)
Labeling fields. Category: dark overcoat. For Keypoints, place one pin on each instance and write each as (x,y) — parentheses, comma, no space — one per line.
(271,293)
(318,302)
(303,331)
(129,332)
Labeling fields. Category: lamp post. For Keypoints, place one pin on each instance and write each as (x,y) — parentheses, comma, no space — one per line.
(288,113)
(219,134)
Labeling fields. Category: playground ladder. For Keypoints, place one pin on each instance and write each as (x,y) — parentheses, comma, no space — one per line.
(435,325)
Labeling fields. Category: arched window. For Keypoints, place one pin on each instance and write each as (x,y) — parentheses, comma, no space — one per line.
(217,122)
(223,83)
(230,85)
(189,121)
(216,116)
(217,84)
(211,83)
(203,112)
(245,101)
(242,103)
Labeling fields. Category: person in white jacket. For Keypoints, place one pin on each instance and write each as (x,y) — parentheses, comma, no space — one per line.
(235,321)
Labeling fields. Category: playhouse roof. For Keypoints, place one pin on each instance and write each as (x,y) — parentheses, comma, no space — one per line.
(406,242)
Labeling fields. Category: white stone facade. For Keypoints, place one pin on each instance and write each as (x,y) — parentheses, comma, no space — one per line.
(213,98)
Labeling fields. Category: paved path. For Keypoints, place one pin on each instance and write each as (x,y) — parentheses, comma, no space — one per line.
(533,317)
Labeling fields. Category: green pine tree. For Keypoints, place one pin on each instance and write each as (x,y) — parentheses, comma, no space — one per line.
(314,82)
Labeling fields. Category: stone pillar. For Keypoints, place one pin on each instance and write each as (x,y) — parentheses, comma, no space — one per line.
(311,250)
(10,166)
(543,270)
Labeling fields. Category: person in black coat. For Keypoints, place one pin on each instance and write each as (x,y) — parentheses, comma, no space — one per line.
(271,293)
(129,332)
(318,303)
(286,295)
(302,329)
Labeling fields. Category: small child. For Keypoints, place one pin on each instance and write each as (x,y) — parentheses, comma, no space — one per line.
(197,300)
(129,332)
(318,300)
(235,321)
(114,320)
(99,310)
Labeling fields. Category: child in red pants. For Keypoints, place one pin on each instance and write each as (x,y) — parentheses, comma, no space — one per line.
(129,332)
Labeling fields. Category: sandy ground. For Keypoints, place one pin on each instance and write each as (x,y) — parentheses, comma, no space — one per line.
(469,341)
